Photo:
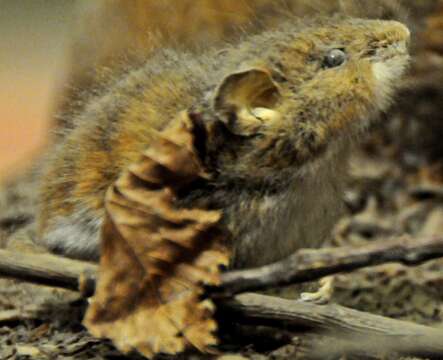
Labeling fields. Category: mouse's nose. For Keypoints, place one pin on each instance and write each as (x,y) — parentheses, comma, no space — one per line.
(399,32)
(391,36)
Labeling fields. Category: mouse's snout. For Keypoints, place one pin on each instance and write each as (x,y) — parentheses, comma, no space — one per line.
(393,33)
(401,31)
(390,40)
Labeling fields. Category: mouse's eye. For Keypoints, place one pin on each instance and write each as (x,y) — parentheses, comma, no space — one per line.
(334,57)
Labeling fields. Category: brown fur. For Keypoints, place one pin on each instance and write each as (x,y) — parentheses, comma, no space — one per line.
(276,176)
(108,31)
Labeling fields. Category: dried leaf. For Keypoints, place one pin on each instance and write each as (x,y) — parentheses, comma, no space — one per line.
(156,256)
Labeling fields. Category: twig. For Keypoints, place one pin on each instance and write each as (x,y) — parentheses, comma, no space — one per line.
(389,335)
(45,269)
(305,265)
(308,265)
(15,315)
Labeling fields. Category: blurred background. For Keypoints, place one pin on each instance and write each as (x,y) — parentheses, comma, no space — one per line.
(33,42)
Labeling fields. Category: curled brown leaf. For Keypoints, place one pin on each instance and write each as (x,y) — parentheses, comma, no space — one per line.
(156,256)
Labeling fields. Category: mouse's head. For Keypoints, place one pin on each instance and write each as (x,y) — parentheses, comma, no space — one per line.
(344,65)
(299,89)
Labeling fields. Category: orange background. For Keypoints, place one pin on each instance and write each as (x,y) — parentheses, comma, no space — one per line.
(33,45)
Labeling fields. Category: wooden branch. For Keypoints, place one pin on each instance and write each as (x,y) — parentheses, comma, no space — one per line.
(336,321)
(305,265)
(314,346)
(50,270)
(308,264)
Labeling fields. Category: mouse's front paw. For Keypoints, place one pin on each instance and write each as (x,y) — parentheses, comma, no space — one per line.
(324,293)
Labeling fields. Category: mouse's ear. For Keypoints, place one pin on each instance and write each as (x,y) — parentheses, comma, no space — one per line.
(240,94)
